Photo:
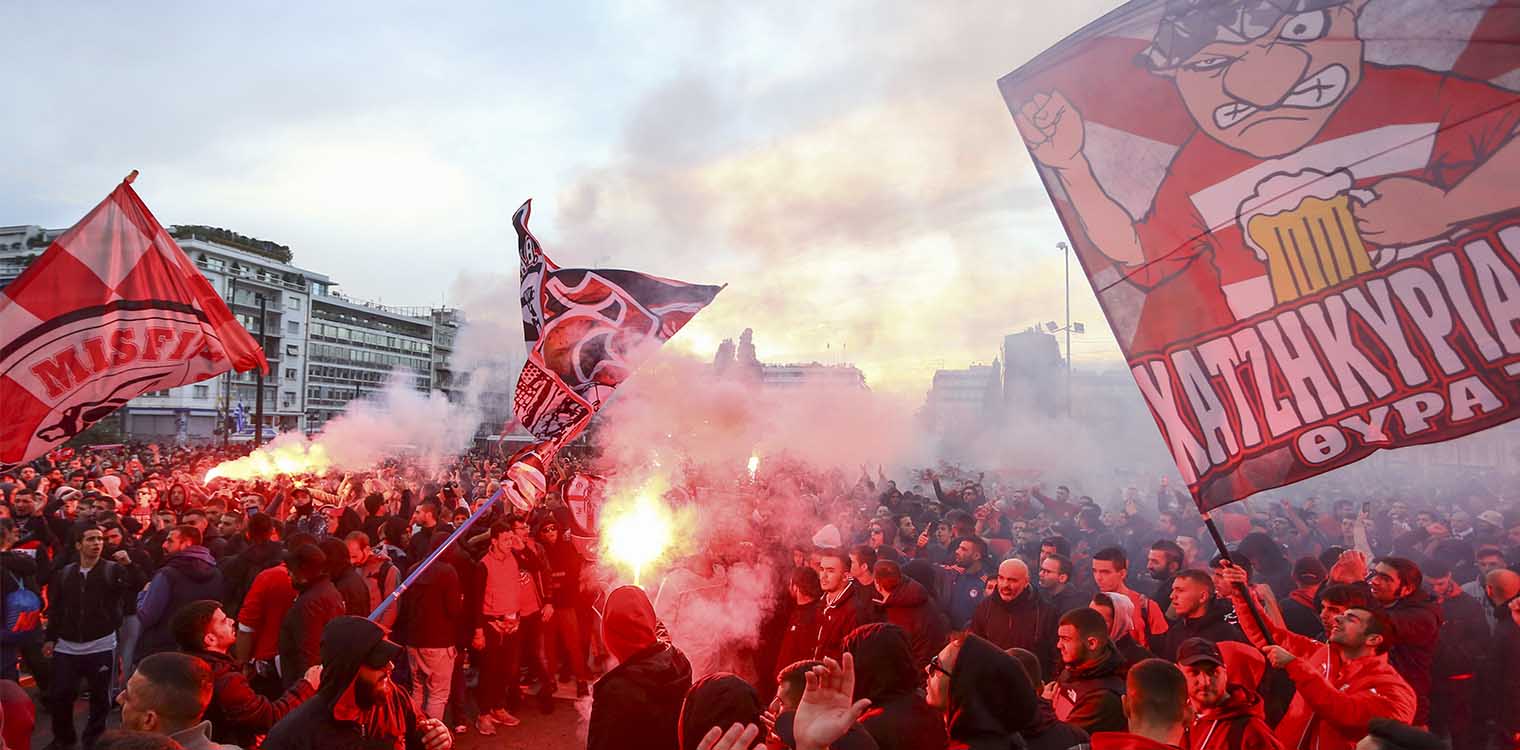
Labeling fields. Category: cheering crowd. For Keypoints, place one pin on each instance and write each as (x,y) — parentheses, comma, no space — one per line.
(964,611)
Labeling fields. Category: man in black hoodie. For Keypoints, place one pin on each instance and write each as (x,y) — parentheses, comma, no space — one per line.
(263,552)
(1396,583)
(317,603)
(908,605)
(637,704)
(1089,692)
(1047,732)
(357,707)
(984,693)
(886,675)
(1199,615)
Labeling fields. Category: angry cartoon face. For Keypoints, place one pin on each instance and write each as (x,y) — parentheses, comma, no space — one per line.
(1261,76)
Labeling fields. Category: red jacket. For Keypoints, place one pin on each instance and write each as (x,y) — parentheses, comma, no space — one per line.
(1336,699)
(1237,724)
(1126,741)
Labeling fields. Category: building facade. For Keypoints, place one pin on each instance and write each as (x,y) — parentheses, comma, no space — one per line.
(324,349)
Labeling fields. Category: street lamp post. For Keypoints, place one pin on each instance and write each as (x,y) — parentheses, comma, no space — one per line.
(258,401)
(1066,252)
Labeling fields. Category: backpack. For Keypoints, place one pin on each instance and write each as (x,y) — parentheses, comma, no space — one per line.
(23,612)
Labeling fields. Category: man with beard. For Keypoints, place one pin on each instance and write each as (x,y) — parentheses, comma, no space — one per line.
(1055,583)
(1016,617)
(984,694)
(1162,563)
(1415,623)
(1199,615)
(1088,693)
(1342,685)
(1227,715)
(189,573)
(317,603)
(238,715)
(967,580)
(356,707)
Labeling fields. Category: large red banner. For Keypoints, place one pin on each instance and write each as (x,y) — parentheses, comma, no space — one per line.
(112,310)
(1301,218)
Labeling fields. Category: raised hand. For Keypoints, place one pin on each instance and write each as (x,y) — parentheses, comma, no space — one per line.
(1052,129)
(827,710)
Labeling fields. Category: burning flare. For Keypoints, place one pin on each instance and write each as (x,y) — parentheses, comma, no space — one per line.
(637,531)
(292,457)
(754,465)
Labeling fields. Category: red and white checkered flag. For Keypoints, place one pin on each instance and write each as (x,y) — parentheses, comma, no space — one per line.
(112,310)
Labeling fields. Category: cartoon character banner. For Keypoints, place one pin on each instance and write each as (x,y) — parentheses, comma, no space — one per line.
(1301,218)
(587,330)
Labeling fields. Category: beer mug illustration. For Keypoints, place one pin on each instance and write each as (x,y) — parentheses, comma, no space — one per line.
(1300,225)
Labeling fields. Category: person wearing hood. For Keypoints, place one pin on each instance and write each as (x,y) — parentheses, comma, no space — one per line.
(189,573)
(1227,714)
(720,699)
(1088,693)
(1299,610)
(1416,625)
(1155,709)
(1119,613)
(800,639)
(317,603)
(1199,615)
(908,605)
(1016,617)
(984,694)
(1047,732)
(263,552)
(356,706)
(637,704)
(886,675)
(345,578)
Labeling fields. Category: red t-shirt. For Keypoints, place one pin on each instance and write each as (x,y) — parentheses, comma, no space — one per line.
(1398,121)
(264,608)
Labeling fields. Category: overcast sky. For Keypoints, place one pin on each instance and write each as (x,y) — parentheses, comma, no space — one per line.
(848,168)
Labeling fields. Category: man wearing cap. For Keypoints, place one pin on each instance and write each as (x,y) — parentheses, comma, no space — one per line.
(1227,715)
(1299,610)
(356,705)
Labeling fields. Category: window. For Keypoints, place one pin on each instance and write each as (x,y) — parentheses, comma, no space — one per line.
(203,391)
(293,303)
(290,372)
(293,327)
(292,350)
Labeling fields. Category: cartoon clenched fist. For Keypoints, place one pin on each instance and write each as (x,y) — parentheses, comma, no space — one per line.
(1052,129)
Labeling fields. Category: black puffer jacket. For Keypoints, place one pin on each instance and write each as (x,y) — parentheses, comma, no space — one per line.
(1027,622)
(886,674)
(991,700)
(637,705)
(1212,626)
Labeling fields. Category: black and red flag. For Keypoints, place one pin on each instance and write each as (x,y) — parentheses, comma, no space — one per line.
(113,309)
(587,330)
